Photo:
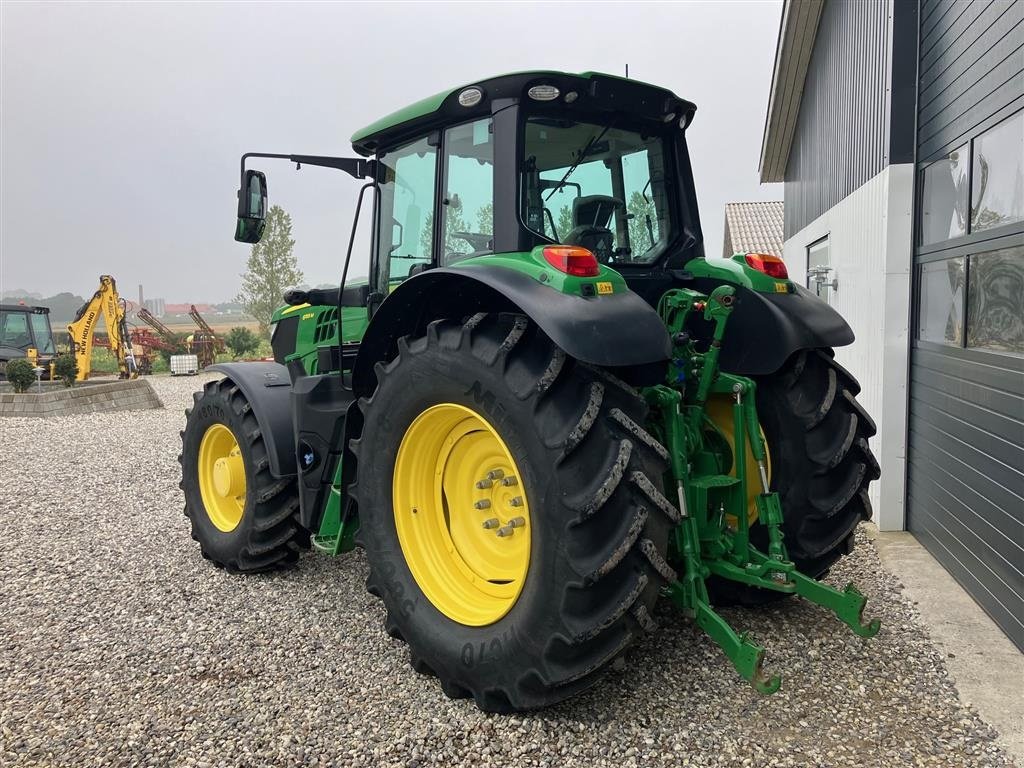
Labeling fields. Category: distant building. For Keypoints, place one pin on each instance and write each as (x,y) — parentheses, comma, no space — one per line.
(155,306)
(753,228)
(183,309)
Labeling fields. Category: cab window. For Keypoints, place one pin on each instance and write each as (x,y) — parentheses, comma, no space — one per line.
(468,202)
(406,222)
(41,331)
(598,186)
(14,330)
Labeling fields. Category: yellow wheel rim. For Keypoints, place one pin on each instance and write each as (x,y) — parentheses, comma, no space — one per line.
(461,514)
(719,410)
(222,477)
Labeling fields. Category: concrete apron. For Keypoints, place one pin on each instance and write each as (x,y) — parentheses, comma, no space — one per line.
(987,668)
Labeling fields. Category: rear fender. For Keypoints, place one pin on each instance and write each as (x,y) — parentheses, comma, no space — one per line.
(267,387)
(765,329)
(613,331)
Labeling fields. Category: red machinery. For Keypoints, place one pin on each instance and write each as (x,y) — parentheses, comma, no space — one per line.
(205,342)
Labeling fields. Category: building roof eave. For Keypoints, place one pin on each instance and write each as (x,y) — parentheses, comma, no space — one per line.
(797,32)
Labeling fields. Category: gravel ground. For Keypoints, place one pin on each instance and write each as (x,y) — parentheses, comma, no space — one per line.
(120,645)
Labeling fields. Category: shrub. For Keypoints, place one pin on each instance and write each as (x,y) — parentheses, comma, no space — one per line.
(65,368)
(241,341)
(21,374)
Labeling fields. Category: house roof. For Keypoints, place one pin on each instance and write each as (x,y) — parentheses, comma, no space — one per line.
(753,228)
(797,31)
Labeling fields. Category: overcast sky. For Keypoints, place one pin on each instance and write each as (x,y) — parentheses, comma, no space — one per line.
(121,125)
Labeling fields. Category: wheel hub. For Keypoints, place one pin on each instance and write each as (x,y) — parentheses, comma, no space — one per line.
(229,475)
(222,482)
(461,514)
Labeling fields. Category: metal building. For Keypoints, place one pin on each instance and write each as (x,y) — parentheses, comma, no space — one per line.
(898,129)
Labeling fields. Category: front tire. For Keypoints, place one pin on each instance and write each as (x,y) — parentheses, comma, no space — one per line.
(243,518)
(588,473)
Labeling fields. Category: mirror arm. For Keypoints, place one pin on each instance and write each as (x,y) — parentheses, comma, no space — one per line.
(355,167)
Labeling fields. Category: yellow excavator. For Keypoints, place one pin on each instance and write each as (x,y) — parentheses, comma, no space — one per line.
(108,304)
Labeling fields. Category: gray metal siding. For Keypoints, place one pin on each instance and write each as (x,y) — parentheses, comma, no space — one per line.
(965,452)
(972,71)
(840,137)
(965,475)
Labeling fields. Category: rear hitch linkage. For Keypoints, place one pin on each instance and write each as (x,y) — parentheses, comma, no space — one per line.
(713,536)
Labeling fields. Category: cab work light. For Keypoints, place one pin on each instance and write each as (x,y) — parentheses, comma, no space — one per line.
(572,260)
(772,266)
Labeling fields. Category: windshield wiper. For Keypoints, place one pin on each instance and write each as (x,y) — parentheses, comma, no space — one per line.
(583,153)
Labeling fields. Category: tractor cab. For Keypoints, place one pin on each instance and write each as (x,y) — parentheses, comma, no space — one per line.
(534,159)
(520,162)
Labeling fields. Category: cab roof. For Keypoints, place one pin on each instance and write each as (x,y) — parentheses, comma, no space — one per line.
(594,91)
(31,308)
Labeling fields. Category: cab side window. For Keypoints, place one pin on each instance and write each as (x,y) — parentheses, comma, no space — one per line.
(14,330)
(406,218)
(468,202)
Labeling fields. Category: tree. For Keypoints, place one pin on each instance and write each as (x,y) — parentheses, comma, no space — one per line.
(564,224)
(271,269)
(241,341)
(642,239)
(453,223)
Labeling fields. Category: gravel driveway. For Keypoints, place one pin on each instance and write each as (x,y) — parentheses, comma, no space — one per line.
(120,645)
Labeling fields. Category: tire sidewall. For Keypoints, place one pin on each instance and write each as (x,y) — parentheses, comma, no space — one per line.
(504,649)
(214,407)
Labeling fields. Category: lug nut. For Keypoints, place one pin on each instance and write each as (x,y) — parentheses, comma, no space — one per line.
(495,474)
(517,522)
(482,484)
(507,481)
(505,531)
(515,501)
(492,523)
(482,504)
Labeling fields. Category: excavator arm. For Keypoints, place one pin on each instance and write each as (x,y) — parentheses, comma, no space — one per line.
(104,303)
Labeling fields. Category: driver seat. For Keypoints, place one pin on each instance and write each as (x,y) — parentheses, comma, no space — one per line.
(591,215)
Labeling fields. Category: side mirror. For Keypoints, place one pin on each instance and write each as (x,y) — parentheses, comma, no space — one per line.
(252,207)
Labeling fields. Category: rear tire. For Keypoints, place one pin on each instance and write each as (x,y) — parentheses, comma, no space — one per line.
(598,525)
(817,435)
(268,534)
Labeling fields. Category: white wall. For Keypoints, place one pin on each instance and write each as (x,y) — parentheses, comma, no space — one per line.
(870,245)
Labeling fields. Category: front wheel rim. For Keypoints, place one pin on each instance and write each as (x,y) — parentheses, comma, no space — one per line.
(461,514)
(222,477)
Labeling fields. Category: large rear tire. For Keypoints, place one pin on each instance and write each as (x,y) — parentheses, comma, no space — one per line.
(821,465)
(588,474)
(244,519)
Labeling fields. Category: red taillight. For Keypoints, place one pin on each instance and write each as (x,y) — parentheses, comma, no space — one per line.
(772,266)
(573,260)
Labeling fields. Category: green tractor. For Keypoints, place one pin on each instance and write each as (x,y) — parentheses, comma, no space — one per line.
(545,408)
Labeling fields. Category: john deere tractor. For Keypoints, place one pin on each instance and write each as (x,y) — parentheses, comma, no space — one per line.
(545,408)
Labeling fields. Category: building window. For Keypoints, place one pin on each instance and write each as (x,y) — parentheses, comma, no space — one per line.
(819,269)
(995,301)
(940,309)
(997,177)
(944,197)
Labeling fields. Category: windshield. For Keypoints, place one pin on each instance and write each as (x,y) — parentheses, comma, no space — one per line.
(596,186)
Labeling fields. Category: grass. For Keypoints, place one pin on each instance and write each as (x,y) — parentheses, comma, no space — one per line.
(104,362)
